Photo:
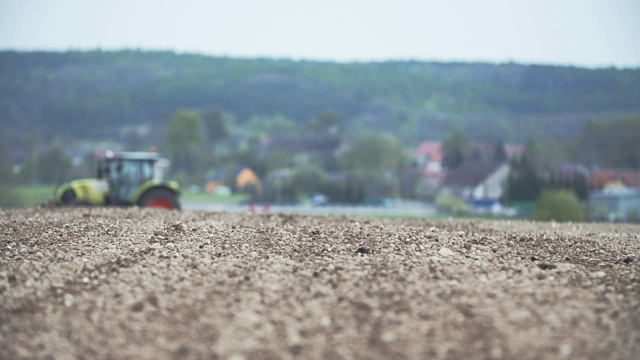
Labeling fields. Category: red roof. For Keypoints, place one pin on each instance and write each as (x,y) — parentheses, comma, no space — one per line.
(513,150)
(600,179)
(431,150)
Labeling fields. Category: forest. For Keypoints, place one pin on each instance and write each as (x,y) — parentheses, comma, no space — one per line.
(100,95)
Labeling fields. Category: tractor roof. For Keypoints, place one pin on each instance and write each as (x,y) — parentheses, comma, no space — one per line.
(128,155)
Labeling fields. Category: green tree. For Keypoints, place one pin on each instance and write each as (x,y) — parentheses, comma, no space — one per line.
(329,123)
(54,166)
(279,159)
(308,179)
(499,153)
(373,163)
(610,143)
(533,172)
(524,183)
(559,205)
(265,125)
(215,127)
(376,153)
(248,155)
(185,143)
(49,167)
(456,148)
(544,154)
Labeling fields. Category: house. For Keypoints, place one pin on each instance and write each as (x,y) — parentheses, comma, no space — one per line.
(614,179)
(615,204)
(477,182)
(244,179)
(429,157)
(614,195)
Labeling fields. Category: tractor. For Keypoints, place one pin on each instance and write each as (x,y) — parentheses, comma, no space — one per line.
(124,179)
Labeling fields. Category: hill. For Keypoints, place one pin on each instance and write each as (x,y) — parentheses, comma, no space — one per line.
(95,94)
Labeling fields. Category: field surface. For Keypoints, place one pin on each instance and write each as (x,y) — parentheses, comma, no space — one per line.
(146,284)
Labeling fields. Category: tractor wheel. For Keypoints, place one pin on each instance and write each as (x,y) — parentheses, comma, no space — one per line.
(69,197)
(159,198)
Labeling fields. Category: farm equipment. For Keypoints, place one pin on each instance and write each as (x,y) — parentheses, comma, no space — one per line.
(124,178)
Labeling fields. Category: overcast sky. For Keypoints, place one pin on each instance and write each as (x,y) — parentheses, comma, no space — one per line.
(590,33)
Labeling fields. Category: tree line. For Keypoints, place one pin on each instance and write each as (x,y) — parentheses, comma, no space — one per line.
(95,94)
(323,155)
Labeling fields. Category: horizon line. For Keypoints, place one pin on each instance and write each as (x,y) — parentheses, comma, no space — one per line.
(320,60)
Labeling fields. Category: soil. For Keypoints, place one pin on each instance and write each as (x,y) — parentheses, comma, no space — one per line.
(100,283)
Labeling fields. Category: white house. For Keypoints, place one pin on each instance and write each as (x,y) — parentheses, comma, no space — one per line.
(477,181)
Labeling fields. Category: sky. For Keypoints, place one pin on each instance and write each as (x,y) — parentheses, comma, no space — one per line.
(586,33)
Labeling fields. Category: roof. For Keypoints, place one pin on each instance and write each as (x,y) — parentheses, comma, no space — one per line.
(430,149)
(513,150)
(601,178)
(433,150)
(471,173)
(127,155)
(220,174)
(137,155)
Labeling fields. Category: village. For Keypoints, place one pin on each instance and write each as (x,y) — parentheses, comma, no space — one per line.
(323,173)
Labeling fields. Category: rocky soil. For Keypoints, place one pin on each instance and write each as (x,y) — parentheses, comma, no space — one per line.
(141,283)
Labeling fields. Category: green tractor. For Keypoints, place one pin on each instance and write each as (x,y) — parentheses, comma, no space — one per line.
(124,178)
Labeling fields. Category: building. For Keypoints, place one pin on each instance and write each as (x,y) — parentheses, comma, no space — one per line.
(615,204)
(614,179)
(479,183)
(429,157)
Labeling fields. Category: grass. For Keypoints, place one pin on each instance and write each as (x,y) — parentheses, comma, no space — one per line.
(206,197)
(36,195)
(25,196)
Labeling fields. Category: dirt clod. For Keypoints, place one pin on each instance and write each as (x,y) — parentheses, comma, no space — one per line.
(137,307)
(545,266)
(363,251)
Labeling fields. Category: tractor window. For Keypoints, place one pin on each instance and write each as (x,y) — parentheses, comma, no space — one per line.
(103,170)
(112,170)
(147,170)
(129,170)
(123,171)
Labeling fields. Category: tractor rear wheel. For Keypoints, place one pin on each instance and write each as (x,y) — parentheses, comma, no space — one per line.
(159,198)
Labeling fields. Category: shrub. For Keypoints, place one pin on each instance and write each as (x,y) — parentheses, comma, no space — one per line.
(559,205)
(449,203)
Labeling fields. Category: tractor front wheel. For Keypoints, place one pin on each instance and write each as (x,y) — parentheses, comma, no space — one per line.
(69,197)
(159,198)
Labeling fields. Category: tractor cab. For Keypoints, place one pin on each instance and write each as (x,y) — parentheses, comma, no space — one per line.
(126,172)
(124,178)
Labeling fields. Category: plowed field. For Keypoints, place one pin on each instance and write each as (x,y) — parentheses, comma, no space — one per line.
(140,283)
